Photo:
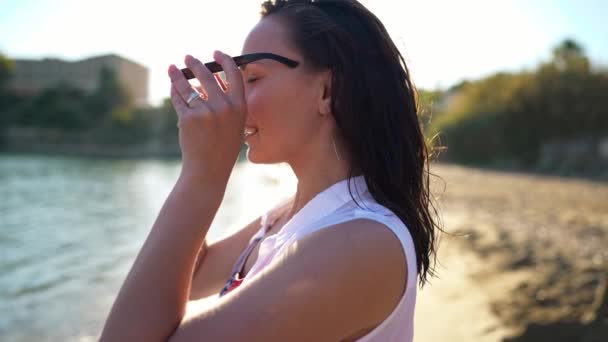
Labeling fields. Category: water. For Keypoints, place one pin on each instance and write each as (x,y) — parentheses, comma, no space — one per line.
(70,229)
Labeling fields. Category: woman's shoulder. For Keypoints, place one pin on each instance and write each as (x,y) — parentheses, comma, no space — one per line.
(363,254)
(369,217)
(362,236)
(364,206)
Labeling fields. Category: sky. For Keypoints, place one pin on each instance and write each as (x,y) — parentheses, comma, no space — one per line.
(443,42)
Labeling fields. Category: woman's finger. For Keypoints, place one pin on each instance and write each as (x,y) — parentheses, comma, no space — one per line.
(178,102)
(201,91)
(233,75)
(205,77)
(182,85)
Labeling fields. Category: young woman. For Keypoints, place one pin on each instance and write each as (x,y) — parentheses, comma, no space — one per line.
(338,261)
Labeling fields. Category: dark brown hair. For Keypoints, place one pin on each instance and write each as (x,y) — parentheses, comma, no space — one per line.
(374,103)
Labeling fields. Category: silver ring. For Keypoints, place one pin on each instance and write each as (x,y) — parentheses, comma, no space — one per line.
(193,95)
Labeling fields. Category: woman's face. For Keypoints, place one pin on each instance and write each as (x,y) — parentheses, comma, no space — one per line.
(282,102)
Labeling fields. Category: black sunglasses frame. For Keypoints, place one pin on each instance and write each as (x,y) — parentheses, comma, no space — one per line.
(242,60)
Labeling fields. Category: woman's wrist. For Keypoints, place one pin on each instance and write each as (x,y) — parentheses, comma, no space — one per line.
(204,176)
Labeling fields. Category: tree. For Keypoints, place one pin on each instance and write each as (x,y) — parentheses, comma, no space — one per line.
(570,56)
(511,116)
(59,107)
(109,96)
(8,101)
(6,70)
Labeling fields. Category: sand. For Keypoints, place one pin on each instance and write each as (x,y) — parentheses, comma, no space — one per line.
(527,259)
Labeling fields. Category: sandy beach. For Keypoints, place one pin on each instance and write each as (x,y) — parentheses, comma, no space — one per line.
(525,259)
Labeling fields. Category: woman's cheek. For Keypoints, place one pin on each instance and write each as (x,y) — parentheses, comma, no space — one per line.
(255,104)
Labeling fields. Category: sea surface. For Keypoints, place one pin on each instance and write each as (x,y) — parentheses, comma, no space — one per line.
(70,228)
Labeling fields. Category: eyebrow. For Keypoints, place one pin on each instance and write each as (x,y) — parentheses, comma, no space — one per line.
(244,66)
(242,62)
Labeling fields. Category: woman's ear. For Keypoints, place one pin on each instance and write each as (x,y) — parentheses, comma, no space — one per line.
(325,96)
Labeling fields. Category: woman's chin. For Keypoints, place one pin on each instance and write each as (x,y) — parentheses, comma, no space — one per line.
(256,158)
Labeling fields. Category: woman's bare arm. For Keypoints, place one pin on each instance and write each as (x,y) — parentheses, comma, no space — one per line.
(152,300)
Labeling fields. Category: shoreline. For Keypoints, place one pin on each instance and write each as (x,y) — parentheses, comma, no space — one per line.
(156,151)
(94,152)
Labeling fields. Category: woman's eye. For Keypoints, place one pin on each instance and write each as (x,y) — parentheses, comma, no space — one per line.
(251,80)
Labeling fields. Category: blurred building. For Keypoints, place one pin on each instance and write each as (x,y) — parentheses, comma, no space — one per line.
(32,76)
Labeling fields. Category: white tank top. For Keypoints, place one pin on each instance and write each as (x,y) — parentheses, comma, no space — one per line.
(332,206)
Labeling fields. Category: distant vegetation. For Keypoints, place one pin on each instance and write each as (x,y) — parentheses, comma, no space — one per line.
(64,115)
(552,118)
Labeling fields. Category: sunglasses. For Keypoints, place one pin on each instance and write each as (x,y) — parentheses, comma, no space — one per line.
(242,60)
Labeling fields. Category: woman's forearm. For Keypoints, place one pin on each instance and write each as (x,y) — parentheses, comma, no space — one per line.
(152,300)
(200,257)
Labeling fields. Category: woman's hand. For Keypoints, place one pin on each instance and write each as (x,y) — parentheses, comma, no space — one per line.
(210,127)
